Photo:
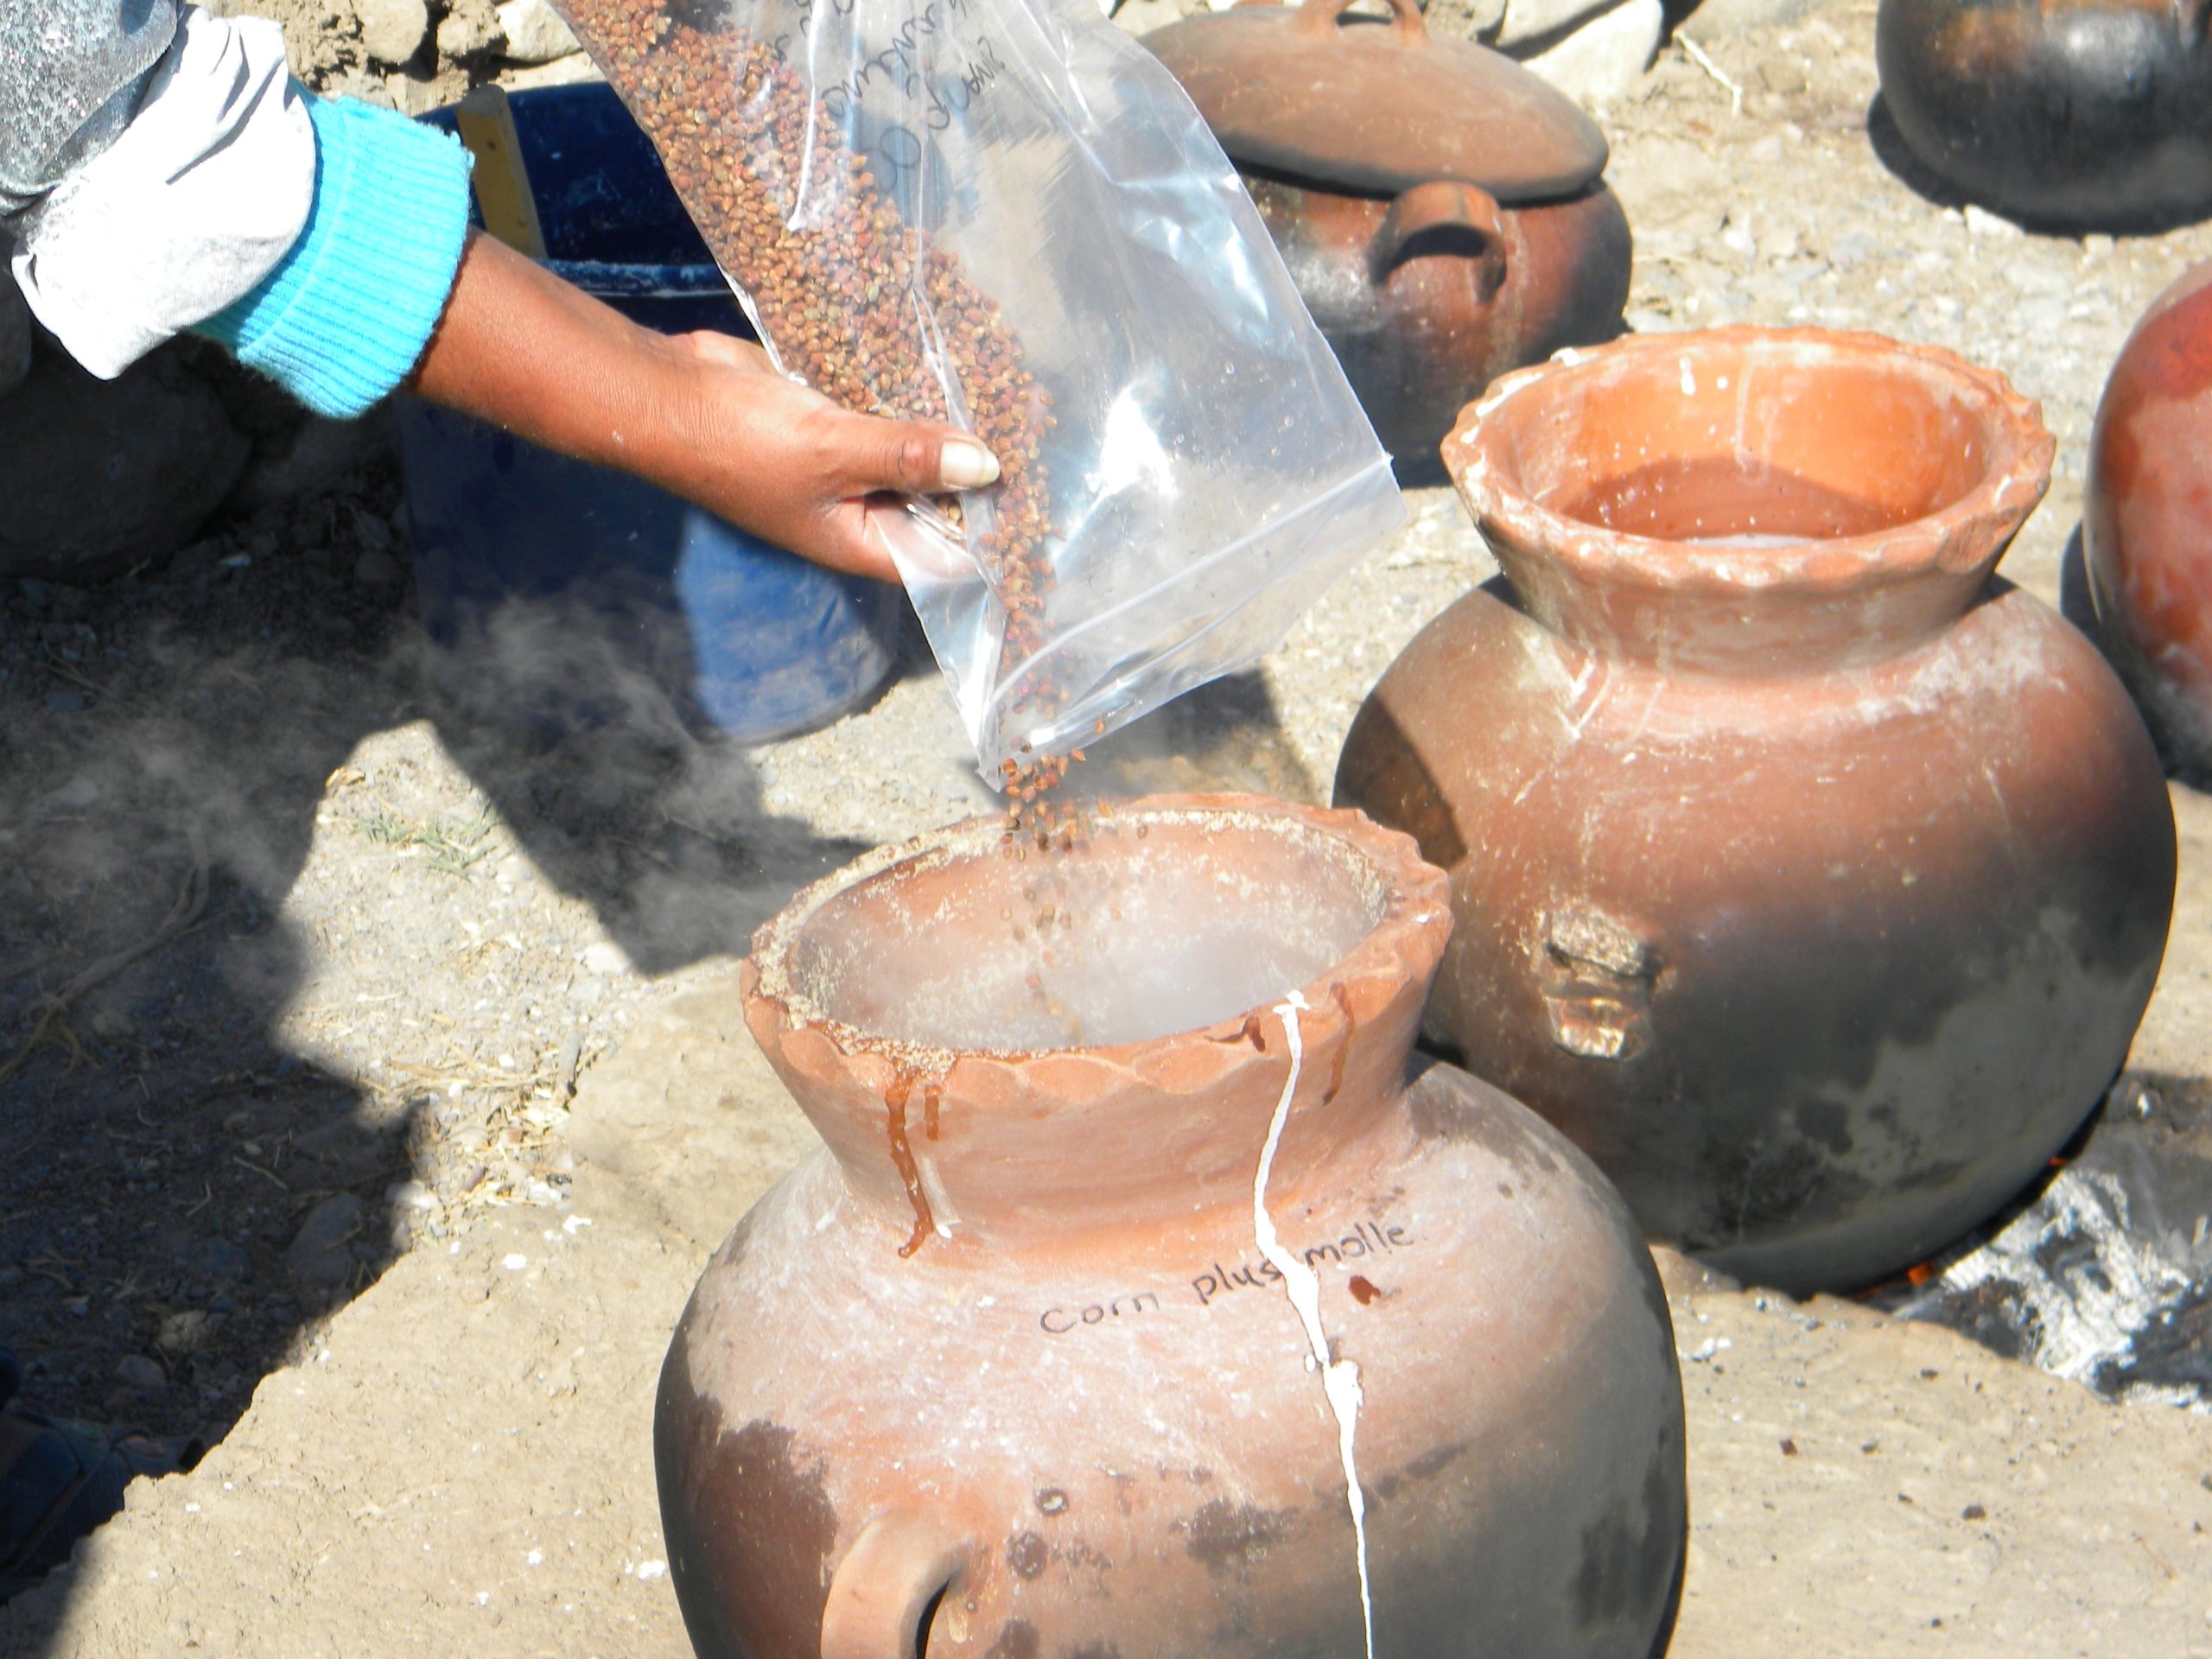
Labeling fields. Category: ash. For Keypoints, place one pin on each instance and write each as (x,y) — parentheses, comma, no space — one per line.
(2105,1275)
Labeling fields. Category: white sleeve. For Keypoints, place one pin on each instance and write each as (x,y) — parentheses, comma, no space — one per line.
(197,200)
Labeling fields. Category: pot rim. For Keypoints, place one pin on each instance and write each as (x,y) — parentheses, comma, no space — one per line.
(1407,936)
(1966,536)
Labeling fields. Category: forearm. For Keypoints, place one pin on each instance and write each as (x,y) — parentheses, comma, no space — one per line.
(703,415)
(521,349)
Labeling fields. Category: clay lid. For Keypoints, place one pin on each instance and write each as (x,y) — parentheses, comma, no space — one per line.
(1375,106)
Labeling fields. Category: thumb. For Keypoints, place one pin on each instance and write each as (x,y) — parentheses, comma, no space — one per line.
(916,458)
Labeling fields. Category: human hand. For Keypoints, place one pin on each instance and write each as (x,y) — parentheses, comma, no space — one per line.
(796,469)
(703,415)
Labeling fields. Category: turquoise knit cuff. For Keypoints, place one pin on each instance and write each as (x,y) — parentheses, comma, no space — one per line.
(345,315)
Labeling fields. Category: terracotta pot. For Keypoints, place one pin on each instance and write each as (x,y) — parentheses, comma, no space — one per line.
(2146,527)
(1006,1371)
(1810,879)
(1439,206)
(1427,295)
(2075,113)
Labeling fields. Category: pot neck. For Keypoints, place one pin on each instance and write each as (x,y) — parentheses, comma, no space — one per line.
(1034,1150)
(1751,501)
(1737,612)
(955,1144)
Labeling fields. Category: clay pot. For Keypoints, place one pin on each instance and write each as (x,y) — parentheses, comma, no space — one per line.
(2146,528)
(2068,113)
(1427,295)
(1006,1370)
(1439,206)
(1810,879)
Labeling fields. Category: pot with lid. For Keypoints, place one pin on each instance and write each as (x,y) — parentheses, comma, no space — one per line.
(1439,206)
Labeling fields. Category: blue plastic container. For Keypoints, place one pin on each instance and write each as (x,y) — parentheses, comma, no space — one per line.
(559,595)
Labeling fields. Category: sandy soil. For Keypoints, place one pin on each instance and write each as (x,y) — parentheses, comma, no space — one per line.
(460,1457)
(480,992)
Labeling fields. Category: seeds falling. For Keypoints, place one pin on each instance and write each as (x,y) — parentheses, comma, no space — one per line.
(872,313)
(865,309)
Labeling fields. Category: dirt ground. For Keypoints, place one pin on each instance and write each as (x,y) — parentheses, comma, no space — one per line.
(461,1456)
(374,1090)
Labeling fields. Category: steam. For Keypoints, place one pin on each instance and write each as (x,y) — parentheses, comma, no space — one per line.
(201,733)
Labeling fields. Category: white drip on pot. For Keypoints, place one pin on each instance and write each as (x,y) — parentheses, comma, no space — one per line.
(1339,1379)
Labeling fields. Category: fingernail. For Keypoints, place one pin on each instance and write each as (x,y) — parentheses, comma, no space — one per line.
(966,465)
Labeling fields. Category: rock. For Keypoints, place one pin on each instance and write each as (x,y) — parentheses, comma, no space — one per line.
(1716,17)
(354,81)
(1981,222)
(110,1023)
(1782,75)
(348,1152)
(376,568)
(295,453)
(392,30)
(186,1333)
(1528,21)
(15,335)
(218,1261)
(316,38)
(141,1375)
(1466,20)
(561,72)
(604,956)
(320,1258)
(535,32)
(307,455)
(98,475)
(1853,249)
(1604,58)
(470,28)
(413,95)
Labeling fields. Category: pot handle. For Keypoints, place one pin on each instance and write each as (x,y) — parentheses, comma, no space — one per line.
(1408,26)
(1441,201)
(895,1569)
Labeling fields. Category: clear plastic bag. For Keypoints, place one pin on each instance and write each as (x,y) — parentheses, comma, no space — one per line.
(1006,213)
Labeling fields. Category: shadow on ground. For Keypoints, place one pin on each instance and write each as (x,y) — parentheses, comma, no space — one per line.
(1894,154)
(1891,150)
(165,742)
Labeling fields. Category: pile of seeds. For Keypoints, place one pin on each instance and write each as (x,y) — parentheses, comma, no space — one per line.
(837,295)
